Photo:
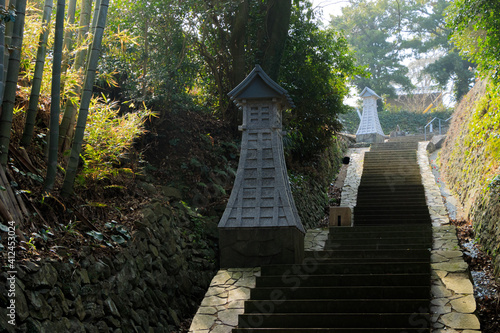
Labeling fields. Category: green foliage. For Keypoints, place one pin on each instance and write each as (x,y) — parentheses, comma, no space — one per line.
(373,30)
(108,136)
(476,32)
(385,32)
(410,122)
(484,127)
(315,69)
(156,60)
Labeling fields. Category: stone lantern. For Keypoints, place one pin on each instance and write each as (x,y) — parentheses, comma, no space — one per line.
(260,224)
(369,129)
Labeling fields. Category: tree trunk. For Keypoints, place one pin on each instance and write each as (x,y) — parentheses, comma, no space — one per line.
(2,52)
(85,100)
(66,128)
(237,42)
(55,105)
(11,81)
(68,38)
(146,58)
(277,23)
(9,27)
(37,76)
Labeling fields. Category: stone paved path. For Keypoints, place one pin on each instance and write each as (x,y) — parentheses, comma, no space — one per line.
(452,302)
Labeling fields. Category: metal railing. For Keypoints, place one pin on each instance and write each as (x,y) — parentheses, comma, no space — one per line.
(430,124)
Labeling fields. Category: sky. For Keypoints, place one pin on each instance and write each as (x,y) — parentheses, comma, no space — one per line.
(330,7)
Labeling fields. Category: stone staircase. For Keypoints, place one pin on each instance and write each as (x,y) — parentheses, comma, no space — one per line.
(391,189)
(372,277)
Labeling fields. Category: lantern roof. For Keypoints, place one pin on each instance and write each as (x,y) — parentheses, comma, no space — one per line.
(258,85)
(367,92)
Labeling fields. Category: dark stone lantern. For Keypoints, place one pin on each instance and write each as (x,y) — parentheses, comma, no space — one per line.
(260,224)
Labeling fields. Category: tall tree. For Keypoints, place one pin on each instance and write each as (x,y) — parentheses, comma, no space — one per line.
(2,48)
(374,30)
(93,59)
(68,38)
(476,32)
(385,32)
(66,129)
(428,34)
(11,81)
(236,35)
(317,64)
(9,19)
(55,107)
(37,76)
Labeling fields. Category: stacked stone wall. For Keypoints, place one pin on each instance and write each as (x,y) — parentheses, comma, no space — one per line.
(469,166)
(151,285)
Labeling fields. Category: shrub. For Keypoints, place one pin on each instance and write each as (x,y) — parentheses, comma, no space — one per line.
(108,136)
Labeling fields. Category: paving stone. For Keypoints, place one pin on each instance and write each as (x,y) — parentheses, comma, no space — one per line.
(207,310)
(459,283)
(213,301)
(230,316)
(450,254)
(240,304)
(457,320)
(248,282)
(201,322)
(241,293)
(466,304)
(215,291)
(440,291)
(440,301)
(221,278)
(441,309)
(222,329)
(451,266)
(436,258)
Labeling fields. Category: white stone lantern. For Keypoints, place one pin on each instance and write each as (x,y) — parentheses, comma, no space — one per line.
(369,129)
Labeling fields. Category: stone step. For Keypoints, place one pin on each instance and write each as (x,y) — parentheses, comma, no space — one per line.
(381,228)
(414,188)
(343,292)
(414,254)
(379,234)
(332,330)
(339,280)
(380,162)
(390,214)
(362,219)
(349,268)
(386,172)
(385,201)
(390,179)
(361,211)
(332,245)
(338,306)
(381,241)
(331,320)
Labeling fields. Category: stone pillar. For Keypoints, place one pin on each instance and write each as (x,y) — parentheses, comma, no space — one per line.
(369,129)
(260,224)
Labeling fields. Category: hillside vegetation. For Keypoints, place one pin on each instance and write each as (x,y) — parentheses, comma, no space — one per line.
(409,122)
(470,160)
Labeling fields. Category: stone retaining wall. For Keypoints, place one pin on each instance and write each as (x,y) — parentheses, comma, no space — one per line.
(151,285)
